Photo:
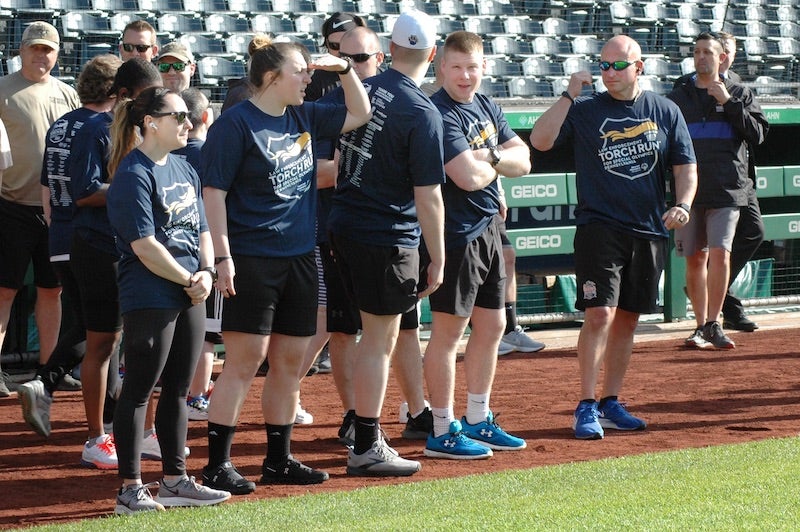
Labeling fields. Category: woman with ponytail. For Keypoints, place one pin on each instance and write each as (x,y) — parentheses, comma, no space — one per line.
(259,177)
(165,273)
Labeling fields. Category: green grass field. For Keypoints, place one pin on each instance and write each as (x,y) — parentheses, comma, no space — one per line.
(754,486)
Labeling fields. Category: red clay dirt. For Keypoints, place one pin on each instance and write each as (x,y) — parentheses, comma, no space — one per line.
(689,398)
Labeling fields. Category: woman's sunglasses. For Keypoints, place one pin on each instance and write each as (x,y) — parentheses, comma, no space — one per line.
(180,116)
(332,45)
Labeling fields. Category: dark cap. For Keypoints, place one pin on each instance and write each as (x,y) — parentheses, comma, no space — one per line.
(135,73)
(339,22)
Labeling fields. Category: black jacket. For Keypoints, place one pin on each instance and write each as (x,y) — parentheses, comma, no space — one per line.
(721,135)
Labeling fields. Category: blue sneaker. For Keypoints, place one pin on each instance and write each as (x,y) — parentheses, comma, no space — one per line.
(614,416)
(587,425)
(489,434)
(455,446)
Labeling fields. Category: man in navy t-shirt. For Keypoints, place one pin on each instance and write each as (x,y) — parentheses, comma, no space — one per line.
(479,145)
(388,192)
(624,142)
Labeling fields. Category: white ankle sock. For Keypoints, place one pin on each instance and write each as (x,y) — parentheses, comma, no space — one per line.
(477,407)
(441,420)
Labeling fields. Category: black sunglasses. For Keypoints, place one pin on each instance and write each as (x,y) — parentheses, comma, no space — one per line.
(357,58)
(178,67)
(141,48)
(180,116)
(616,65)
(332,45)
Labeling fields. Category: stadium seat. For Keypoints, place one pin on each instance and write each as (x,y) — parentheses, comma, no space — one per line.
(509,46)
(494,88)
(529,88)
(270,23)
(294,6)
(118,21)
(65,6)
(587,46)
(116,6)
(238,43)
(550,47)
(788,13)
(447,25)
(381,7)
(539,67)
(495,7)
(332,6)
(523,26)
(559,27)
(654,84)
(310,23)
(656,66)
(499,67)
(215,70)
(577,64)
(484,25)
(789,29)
(457,7)
(82,23)
(179,23)
(687,65)
(202,45)
(227,24)
(213,6)
(251,7)
(162,6)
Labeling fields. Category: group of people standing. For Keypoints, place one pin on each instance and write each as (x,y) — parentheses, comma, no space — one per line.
(416,211)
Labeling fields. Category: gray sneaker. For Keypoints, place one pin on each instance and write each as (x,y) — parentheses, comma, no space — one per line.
(380,461)
(187,492)
(521,342)
(4,391)
(136,498)
(36,404)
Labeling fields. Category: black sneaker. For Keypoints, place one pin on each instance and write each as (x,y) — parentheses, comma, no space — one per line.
(740,323)
(712,332)
(418,428)
(347,432)
(227,478)
(291,471)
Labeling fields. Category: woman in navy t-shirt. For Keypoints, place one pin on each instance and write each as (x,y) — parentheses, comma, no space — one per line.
(165,274)
(259,177)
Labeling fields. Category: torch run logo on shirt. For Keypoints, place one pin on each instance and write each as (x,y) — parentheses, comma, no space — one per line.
(630,146)
(294,163)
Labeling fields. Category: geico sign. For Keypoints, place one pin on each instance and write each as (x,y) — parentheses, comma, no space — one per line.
(534,191)
(539,242)
(761,182)
(794,226)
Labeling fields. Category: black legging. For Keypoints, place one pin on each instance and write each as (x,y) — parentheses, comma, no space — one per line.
(165,343)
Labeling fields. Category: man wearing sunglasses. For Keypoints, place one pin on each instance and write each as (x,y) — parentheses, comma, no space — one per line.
(176,65)
(624,142)
(725,121)
(138,40)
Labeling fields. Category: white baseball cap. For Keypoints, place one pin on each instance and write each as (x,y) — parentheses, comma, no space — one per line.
(414,29)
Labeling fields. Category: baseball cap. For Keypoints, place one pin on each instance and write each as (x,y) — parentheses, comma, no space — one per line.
(178,50)
(414,29)
(339,22)
(41,32)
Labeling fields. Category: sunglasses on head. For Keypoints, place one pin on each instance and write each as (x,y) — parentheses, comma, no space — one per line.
(332,45)
(180,116)
(357,58)
(616,65)
(178,67)
(141,48)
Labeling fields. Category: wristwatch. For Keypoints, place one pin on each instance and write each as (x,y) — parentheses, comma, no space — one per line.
(212,270)
(494,153)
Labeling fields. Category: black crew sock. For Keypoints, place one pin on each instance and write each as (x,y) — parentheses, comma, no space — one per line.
(279,439)
(606,399)
(220,439)
(511,316)
(367,433)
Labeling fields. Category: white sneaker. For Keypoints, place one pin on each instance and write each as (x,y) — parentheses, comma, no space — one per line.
(504,348)
(402,415)
(100,453)
(520,341)
(151,450)
(302,417)
(380,461)
(36,404)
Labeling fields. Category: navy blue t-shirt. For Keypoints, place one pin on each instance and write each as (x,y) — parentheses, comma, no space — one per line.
(623,150)
(146,199)
(268,167)
(56,175)
(382,161)
(469,126)
(90,172)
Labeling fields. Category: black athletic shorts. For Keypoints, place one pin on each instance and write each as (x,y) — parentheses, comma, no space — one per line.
(273,295)
(24,239)
(96,274)
(615,269)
